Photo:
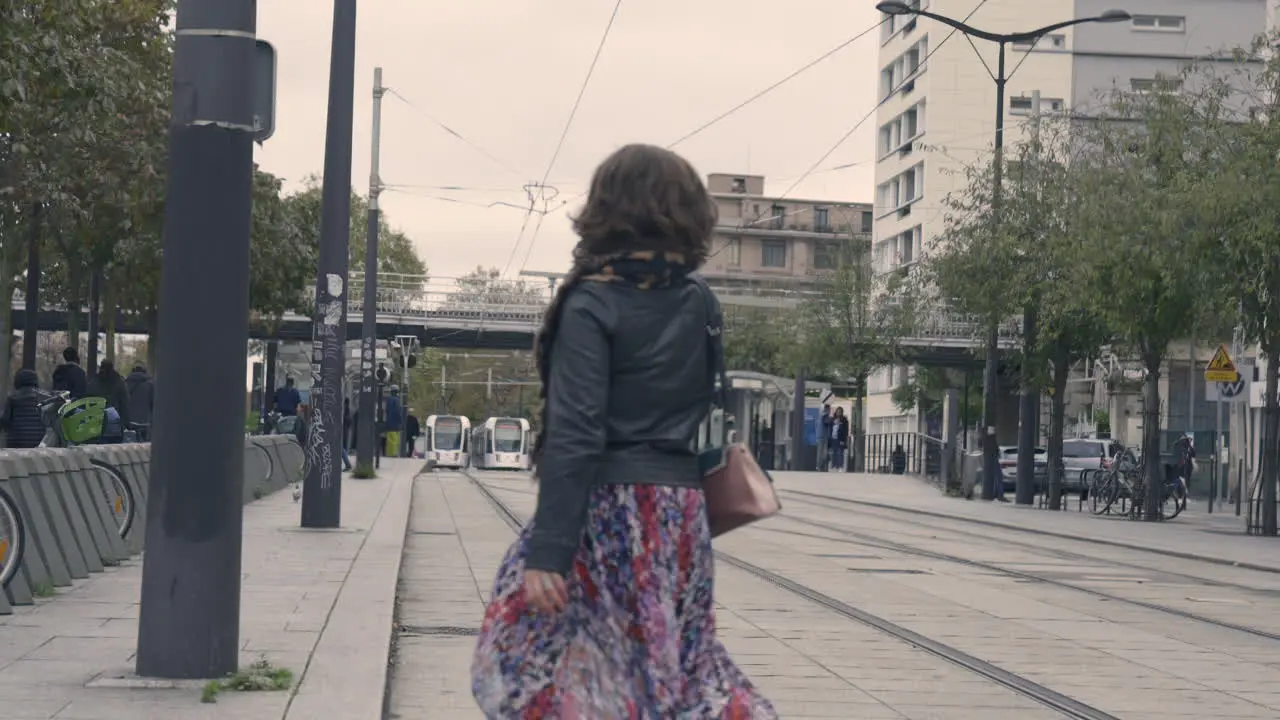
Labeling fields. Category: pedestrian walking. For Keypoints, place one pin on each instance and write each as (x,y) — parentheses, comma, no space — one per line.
(604,606)
(395,422)
(412,431)
(141,401)
(22,421)
(69,377)
(838,439)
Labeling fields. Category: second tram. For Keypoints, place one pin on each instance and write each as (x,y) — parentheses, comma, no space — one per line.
(448,441)
(502,444)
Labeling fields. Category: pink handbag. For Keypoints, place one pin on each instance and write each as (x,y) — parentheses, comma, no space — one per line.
(738,491)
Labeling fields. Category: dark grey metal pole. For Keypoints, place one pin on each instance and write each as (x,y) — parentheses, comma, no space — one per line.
(366,430)
(31,333)
(322,488)
(798,451)
(95,305)
(992,483)
(1029,402)
(190,616)
(269,382)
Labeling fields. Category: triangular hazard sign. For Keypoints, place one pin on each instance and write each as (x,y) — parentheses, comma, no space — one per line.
(1221,361)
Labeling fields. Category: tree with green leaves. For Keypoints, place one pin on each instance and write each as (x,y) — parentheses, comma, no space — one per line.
(842,336)
(759,340)
(396,253)
(1243,202)
(1144,195)
(487,287)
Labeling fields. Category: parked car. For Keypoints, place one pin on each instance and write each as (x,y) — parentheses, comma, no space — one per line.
(1009,466)
(1085,454)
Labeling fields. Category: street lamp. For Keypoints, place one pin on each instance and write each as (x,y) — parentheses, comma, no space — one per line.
(1029,406)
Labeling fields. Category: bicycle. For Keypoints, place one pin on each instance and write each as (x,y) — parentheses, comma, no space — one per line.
(13,538)
(70,423)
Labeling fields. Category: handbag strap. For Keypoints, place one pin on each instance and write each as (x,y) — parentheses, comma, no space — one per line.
(715,352)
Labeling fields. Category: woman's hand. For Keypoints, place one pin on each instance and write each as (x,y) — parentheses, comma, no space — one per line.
(545,591)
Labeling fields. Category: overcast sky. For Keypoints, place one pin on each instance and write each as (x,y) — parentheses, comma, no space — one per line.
(504,74)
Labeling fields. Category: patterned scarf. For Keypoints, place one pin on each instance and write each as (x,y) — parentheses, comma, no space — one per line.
(643,270)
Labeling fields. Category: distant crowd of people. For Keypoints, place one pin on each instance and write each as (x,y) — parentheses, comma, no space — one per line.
(129,400)
(397,431)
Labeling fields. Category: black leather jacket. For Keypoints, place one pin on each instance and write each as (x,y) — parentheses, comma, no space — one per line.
(628,390)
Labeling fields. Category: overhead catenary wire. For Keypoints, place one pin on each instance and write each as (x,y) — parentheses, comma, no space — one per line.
(564,134)
(458,135)
(872,112)
(713,121)
(776,84)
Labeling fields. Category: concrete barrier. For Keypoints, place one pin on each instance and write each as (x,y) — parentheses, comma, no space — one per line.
(73,509)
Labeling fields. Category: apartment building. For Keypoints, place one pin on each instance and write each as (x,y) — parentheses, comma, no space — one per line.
(762,240)
(939,116)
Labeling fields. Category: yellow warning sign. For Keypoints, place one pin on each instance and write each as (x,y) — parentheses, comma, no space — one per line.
(1221,368)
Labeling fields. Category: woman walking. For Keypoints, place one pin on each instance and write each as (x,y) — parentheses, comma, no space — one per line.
(603,607)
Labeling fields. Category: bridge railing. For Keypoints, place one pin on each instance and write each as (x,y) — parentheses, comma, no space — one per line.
(426,297)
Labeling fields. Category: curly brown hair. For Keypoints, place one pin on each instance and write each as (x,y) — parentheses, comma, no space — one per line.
(644,197)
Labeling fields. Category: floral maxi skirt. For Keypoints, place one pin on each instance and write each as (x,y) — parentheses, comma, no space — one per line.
(638,638)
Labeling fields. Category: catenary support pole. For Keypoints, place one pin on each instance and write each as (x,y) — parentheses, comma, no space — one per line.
(366,432)
(189,626)
(31,333)
(992,482)
(322,489)
(1029,402)
(95,320)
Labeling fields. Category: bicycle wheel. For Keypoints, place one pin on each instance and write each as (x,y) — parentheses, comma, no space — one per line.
(13,539)
(119,496)
(1175,501)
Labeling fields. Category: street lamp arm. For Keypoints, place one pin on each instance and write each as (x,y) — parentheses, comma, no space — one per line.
(898,8)
(962,27)
(1107,17)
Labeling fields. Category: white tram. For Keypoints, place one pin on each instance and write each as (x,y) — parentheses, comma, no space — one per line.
(502,444)
(448,440)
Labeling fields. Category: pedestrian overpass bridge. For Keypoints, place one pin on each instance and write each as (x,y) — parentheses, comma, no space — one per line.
(449,313)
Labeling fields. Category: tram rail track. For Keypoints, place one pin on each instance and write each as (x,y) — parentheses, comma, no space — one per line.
(1067,706)
(1057,552)
(980,522)
(866,540)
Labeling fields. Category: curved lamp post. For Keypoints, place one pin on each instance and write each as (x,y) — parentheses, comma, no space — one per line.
(992,483)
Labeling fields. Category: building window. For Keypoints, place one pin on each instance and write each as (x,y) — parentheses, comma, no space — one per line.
(825,254)
(1159,23)
(1044,42)
(1156,84)
(773,253)
(734,249)
(739,186)
(777,217)
(821,220)
(868,220)
(1022,105)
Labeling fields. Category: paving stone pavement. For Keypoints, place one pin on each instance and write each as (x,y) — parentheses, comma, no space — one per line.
(1219,536)
(1133,662)
(316,602)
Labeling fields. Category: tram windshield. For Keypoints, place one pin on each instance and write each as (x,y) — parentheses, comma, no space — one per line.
(448,435)
(508,436)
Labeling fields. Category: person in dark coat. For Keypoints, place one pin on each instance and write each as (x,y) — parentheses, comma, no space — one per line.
(109,386)
(288,399)
(838,441)
(22,421)
(70,377)
(141,400)
(412,429)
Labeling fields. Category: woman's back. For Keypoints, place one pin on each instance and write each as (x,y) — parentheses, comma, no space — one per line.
(659,381)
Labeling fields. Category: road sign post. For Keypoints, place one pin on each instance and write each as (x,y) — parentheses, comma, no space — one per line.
(1221,369)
